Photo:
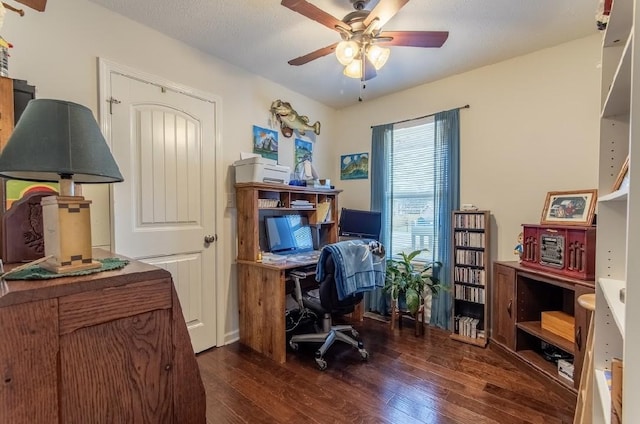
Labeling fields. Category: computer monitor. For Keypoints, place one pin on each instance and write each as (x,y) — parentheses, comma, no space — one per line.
(357,223)
(288,234)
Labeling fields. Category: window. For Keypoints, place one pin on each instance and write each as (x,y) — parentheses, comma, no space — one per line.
(415,183)
(410,198)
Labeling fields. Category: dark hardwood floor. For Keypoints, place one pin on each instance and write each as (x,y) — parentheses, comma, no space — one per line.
(408,379)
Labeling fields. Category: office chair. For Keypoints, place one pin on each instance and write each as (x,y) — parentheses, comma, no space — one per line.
(369,262)
(325,306)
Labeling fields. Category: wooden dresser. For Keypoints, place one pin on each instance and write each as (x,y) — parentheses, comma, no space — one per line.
(110,347)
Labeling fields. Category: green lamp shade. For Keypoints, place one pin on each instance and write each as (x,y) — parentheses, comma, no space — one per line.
(58,139)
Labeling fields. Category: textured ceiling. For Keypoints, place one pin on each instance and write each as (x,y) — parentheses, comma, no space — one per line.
(261,36)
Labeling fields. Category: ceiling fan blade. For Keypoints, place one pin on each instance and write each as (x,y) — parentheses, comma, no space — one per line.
(312,12)
(415,38)
(38,5)
(313,55)
(384,10)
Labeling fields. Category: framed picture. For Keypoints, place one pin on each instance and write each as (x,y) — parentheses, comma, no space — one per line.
(570,207)
(622,181)
(354,166)
(303,152)
(265,142)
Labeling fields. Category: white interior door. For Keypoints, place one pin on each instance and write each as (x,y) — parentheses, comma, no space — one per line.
(164,211)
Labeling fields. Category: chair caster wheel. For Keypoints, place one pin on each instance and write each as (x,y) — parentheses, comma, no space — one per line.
(294,346)
(321,363)
(364,354)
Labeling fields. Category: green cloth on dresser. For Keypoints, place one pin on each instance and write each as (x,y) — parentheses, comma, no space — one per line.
(37,273)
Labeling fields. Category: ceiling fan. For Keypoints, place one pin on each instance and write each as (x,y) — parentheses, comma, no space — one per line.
(362,36)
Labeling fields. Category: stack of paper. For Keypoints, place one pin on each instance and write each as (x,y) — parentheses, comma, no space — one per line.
(301,204)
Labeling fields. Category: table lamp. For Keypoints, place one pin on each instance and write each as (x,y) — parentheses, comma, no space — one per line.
(60,141)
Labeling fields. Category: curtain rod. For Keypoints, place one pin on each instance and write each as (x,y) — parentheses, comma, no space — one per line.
(425,116)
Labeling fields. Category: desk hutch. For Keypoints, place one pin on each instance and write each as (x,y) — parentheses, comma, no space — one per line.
(262,288)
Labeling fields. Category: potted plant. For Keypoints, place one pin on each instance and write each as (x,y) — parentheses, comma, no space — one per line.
(408,279)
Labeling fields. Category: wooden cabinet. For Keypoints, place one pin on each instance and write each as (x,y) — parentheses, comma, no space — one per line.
(519,297)
(14,96)
(103,348)
(503,328)
(471,275)
(6,110)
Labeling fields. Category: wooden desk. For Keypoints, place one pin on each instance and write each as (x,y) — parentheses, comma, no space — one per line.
(262,287)
(103,348)
(262,306)
(262,291)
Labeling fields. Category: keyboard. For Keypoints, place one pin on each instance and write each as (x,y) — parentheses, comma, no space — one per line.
(305,257)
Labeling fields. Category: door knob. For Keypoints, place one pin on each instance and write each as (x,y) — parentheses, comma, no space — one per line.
(210,239)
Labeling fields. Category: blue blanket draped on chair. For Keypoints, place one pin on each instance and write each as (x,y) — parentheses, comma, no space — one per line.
(358,268)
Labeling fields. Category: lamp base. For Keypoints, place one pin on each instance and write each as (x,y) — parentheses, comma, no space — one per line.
(50,265)
(67,234)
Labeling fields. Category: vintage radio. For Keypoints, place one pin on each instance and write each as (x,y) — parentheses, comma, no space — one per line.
(565,250)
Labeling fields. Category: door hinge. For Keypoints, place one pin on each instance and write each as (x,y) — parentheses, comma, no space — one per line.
(111,101)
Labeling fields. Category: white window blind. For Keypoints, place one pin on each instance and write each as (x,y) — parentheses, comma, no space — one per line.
(412,162)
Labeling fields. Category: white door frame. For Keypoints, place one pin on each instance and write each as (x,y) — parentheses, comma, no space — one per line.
(105,68)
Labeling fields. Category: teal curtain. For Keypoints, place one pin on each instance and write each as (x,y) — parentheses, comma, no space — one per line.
(447,199)
(381,145)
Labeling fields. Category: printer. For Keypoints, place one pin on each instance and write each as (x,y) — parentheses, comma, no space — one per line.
(261,170)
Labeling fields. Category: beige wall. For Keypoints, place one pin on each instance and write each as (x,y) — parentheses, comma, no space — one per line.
(57,52)
(532,128)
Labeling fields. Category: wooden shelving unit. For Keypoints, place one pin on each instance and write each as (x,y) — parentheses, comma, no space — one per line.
(470,275)
(535,329)
(618,246)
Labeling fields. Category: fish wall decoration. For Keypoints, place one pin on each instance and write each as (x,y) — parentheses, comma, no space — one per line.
(290,120)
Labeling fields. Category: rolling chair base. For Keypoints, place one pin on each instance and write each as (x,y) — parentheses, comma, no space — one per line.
(329,332)
(327,339)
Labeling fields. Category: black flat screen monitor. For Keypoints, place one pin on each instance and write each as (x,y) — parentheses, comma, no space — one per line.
(288,234)
(363,224)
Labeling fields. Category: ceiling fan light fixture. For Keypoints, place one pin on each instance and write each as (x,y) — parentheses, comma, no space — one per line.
(347,51)
(378,55)
(354,69)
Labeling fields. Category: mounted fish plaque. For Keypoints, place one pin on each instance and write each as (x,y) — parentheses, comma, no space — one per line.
(290,120)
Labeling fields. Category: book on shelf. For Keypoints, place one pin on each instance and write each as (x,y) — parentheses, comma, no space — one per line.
(616,391)
(324,211)
(607,378)
(467,327)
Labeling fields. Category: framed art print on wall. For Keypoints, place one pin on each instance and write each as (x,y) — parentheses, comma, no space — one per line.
(265,142)
(354,166)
